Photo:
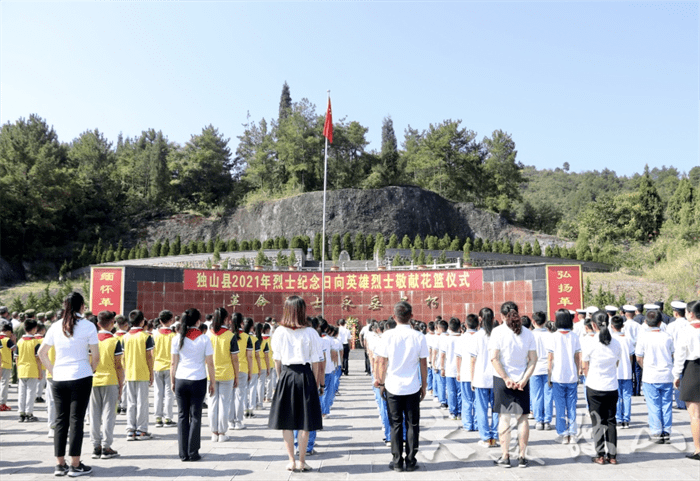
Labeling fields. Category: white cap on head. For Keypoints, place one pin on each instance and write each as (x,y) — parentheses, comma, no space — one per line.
(610,308)
(651,307)
(629,308)
(573,313)
(592,309)
(679,305)
(580,311)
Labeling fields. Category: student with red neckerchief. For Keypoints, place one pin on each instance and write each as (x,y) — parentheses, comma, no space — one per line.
(686,372)
(191,352)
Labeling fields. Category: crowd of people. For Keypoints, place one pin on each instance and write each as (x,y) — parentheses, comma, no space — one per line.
(492,373)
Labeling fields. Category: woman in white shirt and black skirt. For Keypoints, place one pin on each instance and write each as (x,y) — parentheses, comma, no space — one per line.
(295,404)
(191,352)
(686,372)
(600,359)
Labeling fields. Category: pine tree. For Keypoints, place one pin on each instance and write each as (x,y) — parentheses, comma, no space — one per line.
(527,249)
(486,246)
(155,249)
(335,242)
(381,247)
(347,244)
(683,196)
(548,251)
(210,245)
(255,244)
(369,247)
(406,242)
(132,253)
(185,249)
(478,245)
(456,244)
(444,243)
(650,214)
(396,261)
(393,241)
(429,260)
(517,248)
(432,242)
(232,245)
(165,248)
(360,247)
(317,247)
(536,248)
(418,242)
(244,246)
(467,246)
(283,244)
(442,259)
(421,258)
(176,247)
(285,103)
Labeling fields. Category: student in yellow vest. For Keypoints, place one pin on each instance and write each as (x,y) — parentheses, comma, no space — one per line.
(245,364)
(7,347)
(28,371)
(265,363)
(225,348)
(164,397)
(138,364)
(252,394)
(40,333)
(107,384)
(122,328)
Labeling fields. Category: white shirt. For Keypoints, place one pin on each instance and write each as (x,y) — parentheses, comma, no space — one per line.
(296,346)
(564,345)
(541,339)
(580,328)
(513,350)
(450,354)
(191,364)
(431,339)
(344,334)
(403,347)
(465,345)
(687,349)
(363,332)
(72,360)
(631,330)
(656,347)
(624,369)
(483,369)
(440,343)
(602,367)
(327,348)
(645,327)
(676,327)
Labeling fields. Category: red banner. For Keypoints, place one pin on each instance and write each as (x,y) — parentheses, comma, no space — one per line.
(106,289)
(450,280)
(564,288)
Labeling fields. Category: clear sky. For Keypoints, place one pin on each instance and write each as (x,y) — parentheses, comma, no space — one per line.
(597,84)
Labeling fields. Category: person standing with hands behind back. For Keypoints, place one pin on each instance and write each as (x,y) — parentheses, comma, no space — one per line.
(191,352)
(398,359)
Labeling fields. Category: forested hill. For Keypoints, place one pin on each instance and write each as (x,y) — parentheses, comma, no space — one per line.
(59,197)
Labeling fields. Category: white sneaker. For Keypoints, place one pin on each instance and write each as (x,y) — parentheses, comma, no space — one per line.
(223,438)
(483,444)
(239,425)
(50,435)
(214,438)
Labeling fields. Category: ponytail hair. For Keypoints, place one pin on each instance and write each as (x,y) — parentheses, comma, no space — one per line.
(189,319)
(486,315)
(259,329)
(236,324)
(72,305)
(249,323)
(217,320)
(601,319)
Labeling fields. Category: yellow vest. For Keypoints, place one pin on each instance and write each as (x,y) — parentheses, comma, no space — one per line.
(263,357)
(27,368)
(242,351)
(106,373)
(135,363)
(6,353)
(52,358)
(256,368)
(163,339)
(222,354)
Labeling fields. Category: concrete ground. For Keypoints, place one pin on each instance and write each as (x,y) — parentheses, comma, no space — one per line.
(351,447)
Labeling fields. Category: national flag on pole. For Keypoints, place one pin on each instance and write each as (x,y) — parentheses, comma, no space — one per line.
(328,127)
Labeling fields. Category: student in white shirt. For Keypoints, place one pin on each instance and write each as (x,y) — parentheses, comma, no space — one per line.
(345,336)
(624,371)
(441,327)
(600,361)
(674,329)
(363,332)
(686,372)
(430,338)
(540,390)
(481,373)
(374,338)
(654,352)
(295,404)
(191,352)
(402,365)
(448,359)
(513,353)
(464,347)
(564,364)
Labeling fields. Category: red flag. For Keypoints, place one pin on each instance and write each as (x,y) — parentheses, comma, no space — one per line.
(328,127)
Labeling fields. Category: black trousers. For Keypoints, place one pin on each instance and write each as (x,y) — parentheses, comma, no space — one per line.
(400,408)
(603,408)
(71,399)
(190,396)
(346,356)
(368,369)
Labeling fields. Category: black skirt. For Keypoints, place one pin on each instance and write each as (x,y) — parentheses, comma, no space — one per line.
(510,401)
(690,384)
(295,404)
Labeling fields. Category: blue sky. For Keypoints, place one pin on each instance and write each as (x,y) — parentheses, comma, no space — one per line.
(597,84)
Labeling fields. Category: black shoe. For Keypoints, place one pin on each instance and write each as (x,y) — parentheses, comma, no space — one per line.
(522,463)
(30,418)
(80,470)
(195,457)
(412,467)
(22,418)
(60,470)
(204,406)
(39,399)
(502,462)
(667,438)
(97,453)
(657,438)
(398,467)
(695,456)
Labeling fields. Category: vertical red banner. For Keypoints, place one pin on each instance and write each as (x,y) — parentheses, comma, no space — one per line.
(564,288)
(107,289)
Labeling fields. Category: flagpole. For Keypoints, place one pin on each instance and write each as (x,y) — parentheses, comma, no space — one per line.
(323,235)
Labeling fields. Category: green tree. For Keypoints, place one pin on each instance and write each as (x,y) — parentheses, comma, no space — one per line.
(317,246)
(456,244)
(155,248)
(517,248)
(347,244)
(527,249)
(360,252)
(503,173)
(396,261)
(380,246)
(165,248)
(682,197)
(255,244)
(244,246)
(387,170)
(285,102)
(393,241)
(536,248)
(406,242)
(418,242)
(335,241)
(211,245)
(548,251)
(176,246)
(478,245)
(486,246)
(369,247)
(444,242)
(421,258)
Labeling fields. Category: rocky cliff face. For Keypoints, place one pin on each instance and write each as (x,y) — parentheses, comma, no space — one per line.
(391,210)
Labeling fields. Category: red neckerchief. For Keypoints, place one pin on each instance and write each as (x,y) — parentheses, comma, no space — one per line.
(695,324)
(2,336)
(193,333)
(564,331)
(102,335)
(28,336)
(220,331)
(120,333)
(266,336)
(38,336)
(135,330)
(165,330)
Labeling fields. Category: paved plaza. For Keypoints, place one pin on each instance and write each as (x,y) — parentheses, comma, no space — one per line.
(351,447)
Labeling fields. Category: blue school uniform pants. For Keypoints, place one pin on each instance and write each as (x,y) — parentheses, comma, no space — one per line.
(624,400)
(488,425)
(565,397)
(541,398)
(659,398)
(468,410)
